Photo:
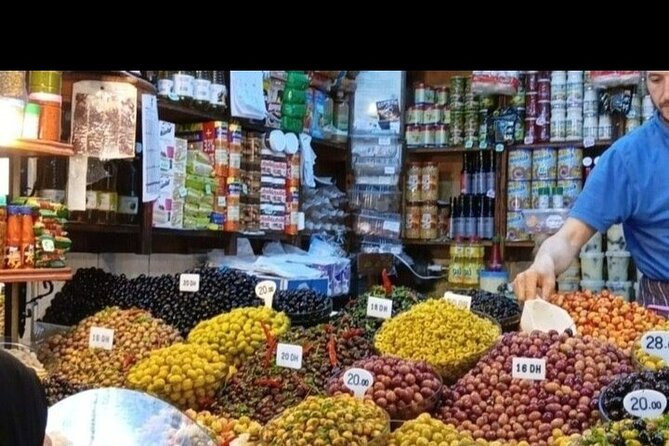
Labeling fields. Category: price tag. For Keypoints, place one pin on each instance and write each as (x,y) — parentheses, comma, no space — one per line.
(220,200)
(389,170)
(541,121)
(459,300)
(528,368)
(189,283)
(183,192)
(358,381)
(288,355)
(469,144)
(645,403)
(101,338)
(483,145)
(528,140)
(207,189)
(265,290)
(499,147)
(379,308)
(490,194)
(48,246)
(384,141)
(656,343)
(588,141)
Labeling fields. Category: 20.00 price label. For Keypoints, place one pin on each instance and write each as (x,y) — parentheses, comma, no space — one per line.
(645,403)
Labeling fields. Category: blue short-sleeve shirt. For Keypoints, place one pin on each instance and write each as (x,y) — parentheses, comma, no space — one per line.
(630,185)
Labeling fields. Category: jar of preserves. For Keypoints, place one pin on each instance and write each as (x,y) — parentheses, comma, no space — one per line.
(429,182)
(413,182)
(412,221)
(428,221)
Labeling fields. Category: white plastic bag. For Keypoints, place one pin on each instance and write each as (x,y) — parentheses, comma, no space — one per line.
(540,315)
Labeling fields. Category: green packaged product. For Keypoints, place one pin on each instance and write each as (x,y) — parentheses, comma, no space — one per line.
(294,96)
(297,111)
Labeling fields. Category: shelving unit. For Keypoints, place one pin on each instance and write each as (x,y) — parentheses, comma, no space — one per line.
(35,147)
(34,275)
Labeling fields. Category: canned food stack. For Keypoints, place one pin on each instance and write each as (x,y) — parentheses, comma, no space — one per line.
(517,101)
(457,107)
(537,106)
(251,183)
(574,106)
(544,175)
(518,192)
(204,89)
(633,117)
(590,115)
(570,174)
(558,106)
(471,117)
(428,118)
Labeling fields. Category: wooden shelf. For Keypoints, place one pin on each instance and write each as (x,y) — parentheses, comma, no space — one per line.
(522,244)
(579,144)
(330,144)
(181,114)
(415,242)
(427,150)
(98,228)
(35,275)
(35,147)
(198,233)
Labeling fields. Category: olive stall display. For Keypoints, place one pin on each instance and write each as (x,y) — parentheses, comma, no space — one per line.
(404,389)
(449,338)
(328,421)
(261,390)
(646,358)
(427,431)
(355,313)
(608,317)
(186,375)
(496,400)
(304,307)
(135,335)
(611,402)
(237,335)
(58,387)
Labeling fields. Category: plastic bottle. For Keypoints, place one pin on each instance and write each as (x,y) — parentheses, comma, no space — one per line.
(27,242)
(456,262)
(128,192)
(341,112)
(107,196)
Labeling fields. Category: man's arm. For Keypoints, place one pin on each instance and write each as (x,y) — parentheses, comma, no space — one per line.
(554,256)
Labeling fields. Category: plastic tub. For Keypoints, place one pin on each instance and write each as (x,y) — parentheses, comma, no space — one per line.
(620,288)
(568,285)
(617,264)
(593,285)
(594,244)
(544,221)
(615,238)
(592,266)
(574,271)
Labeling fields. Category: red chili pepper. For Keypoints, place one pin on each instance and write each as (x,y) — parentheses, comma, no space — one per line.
(306,348)
(128,361)
(271,345)
(352,333)
(387,284)
(332,351)
(269,382)
(329,328)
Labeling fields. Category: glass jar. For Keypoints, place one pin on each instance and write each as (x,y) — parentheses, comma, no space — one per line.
(413,182)
(429,183)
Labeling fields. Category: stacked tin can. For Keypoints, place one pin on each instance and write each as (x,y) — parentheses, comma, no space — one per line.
(537,106)
(518,193)
(633,117)
(569,174)
(518,101)
(428,119)
(590,116)
(574,106)
(471,116)
(544,172)
(457,108)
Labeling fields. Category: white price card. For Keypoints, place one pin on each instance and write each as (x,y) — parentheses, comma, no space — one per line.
(528,140)
(656,343)
(220,200)
(528,368)
(288,355)
(265,290)
(358,381)
(469,144)
(183,191)
(499,147)
(384,141)
(189,283)
(379,307)
(48,246)
(392,226)
(100,337)
(389,170)
(588,141)
(645,403)
(459,300)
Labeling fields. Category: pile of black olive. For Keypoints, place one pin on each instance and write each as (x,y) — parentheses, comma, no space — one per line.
(87,293)
(504,310)
(611,400)
(304,307)
(57,388)
(91,290)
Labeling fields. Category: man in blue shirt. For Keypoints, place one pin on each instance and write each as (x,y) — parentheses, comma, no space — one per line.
(630,185)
